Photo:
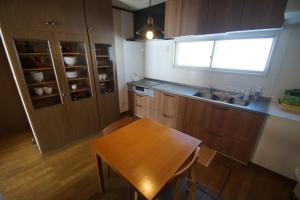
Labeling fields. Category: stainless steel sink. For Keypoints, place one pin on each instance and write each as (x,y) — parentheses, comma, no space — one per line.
(222,96)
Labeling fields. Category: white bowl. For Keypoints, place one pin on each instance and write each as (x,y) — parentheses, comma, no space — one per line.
(38,91)
(74,86)
(37,76)
(70,60)
(48,90)
(72,74)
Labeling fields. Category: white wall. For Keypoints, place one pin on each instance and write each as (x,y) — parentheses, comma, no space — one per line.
(279,146)
(159,65)
(123,28)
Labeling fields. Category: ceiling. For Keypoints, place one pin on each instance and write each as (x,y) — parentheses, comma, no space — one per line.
(133,5)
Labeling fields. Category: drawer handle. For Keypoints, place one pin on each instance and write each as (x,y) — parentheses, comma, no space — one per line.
(214,134)
(168,95)
(139,95)
(219,108)
(167,116)
(139,106)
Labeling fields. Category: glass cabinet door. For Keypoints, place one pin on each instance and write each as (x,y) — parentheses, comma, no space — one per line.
(38,69)
(105,70)
(76,69)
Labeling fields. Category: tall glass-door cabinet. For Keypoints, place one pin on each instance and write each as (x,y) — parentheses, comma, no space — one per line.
(55,77)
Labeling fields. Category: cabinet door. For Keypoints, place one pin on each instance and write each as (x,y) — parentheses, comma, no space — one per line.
(46,15)
(194,17)
(38,78)
(142,105)
(216,119)
(68,16)
(194,116)
(78,76)
(261,14)
(236,149)
(29,15)
(102,51)
(172,18)
(99,18)
(248,126)
(169,110)
(224,15)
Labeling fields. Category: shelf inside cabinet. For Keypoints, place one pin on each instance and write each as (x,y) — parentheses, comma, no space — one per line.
(34,98)
(34,54)
(76,67)
(72,54)
(108,80)
(30,69)
(102,56)
(79,90)
(41,83)
(104,66)
(77,79)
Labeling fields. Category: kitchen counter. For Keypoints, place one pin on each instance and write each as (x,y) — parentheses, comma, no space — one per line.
(260,106)
(263,105)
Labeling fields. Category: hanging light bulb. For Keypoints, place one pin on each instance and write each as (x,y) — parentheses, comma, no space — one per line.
(150,31)
(149,35)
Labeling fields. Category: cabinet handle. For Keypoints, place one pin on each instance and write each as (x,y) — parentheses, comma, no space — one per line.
(50,23)
(168,95)
(90,28)
(139,95)
(219,108)
(214,134)
(167,116)
(139,106)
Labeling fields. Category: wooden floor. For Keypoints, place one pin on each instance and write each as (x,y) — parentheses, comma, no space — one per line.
(70,173)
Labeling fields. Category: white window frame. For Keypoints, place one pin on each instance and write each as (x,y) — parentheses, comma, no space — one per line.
(270,33)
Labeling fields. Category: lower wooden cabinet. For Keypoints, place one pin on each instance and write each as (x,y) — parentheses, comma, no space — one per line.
(230,131)
(169,110)
(141,105)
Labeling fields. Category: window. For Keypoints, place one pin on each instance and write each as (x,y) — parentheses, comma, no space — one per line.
(249,55)
(194,54)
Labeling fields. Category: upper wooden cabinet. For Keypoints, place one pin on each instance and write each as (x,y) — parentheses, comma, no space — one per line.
(194,16)
(47,15)
(224,15)
(173,18)
(99,18)
(214,16)
(260,14)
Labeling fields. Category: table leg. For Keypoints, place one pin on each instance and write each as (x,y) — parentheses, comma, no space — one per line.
(100,173)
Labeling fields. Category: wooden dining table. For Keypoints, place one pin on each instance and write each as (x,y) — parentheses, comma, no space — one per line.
(145,153)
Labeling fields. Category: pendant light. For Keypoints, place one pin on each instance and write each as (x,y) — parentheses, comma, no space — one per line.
(149,31)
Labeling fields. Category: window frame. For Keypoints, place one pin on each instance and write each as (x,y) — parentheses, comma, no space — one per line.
(272,33)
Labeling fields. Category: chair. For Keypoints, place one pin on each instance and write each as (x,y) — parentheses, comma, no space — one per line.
(180,174)
(114,126)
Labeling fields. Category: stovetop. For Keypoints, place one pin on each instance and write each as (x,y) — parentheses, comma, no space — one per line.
(145,83)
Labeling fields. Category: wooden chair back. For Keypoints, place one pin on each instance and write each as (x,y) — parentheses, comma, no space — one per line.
(187,166)
(117,124)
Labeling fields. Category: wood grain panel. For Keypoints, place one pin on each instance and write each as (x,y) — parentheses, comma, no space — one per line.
(194,17)
(173,18)
(99,18)
(194,117)
(261,14)
(13,117)
(224,15)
